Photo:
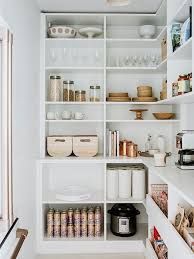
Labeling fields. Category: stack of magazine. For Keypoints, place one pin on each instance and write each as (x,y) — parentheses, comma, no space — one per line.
(112,143)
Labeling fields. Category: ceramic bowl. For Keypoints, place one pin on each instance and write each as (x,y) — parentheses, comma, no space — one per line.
(164,115)
(61,31)
(147,31)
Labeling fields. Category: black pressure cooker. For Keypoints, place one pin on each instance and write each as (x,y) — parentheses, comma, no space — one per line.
(123,220)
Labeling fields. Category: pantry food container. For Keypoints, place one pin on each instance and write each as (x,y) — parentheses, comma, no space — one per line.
(68,91)
(55,89)
(164,48)
(59,146)
(85,146)
(112,183)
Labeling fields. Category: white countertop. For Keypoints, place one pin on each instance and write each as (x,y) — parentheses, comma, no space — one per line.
(181,180)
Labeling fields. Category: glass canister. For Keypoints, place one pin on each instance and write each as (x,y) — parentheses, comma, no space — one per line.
(183,84)
(68,91)
(55,91)
(94,93)
(80,96)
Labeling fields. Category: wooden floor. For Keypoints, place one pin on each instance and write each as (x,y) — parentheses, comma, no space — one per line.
(100,256)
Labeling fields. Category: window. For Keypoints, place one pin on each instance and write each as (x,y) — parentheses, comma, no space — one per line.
(6,208)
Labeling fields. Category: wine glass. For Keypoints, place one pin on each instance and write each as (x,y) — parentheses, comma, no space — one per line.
(53,55)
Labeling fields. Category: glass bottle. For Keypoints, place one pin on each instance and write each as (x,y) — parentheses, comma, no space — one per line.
(148,144)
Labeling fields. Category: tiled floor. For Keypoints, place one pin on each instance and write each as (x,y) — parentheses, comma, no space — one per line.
(100,256)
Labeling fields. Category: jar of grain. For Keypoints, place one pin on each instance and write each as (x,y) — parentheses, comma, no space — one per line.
(183,84)
(80,96)
(55,91)
(68,91)
(94,93)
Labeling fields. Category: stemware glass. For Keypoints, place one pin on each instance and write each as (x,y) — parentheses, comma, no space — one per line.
(53,56)
(134,61)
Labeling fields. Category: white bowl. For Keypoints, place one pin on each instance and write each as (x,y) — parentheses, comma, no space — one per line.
(61,31)
(147,31)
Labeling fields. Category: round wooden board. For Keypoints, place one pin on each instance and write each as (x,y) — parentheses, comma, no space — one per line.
(144,99)
(118,95)
(119,99)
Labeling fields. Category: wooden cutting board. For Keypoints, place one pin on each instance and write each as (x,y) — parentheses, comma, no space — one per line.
(118,95)
(119,99)
(144,99)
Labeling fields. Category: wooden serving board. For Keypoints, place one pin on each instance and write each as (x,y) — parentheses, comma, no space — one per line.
(119,99)
(144,99)
(118,95)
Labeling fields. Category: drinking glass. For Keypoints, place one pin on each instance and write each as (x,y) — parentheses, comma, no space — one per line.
(53,55)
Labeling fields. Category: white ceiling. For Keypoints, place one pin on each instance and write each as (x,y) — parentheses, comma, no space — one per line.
(136,6)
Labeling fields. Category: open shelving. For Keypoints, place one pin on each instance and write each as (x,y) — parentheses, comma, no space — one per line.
(119,36)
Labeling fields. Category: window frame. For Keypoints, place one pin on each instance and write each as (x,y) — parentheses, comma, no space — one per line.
(6,219)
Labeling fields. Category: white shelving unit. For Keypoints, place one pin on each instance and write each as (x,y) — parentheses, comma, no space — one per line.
(119,38)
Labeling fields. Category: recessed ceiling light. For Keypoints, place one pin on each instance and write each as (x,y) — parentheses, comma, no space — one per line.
(118,2)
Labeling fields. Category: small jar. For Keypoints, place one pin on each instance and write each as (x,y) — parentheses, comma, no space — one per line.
(190,78)
(183,84)
(94,93)
(80,96)
(175,89)
(68,91)
(55,91)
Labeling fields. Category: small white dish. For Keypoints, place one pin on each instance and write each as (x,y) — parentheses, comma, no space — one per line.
(79,116)
(90,32)
(66,115)
(147,31)
(52,116)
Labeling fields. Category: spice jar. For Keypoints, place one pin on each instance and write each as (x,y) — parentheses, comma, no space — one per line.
(175,89)
(183,84)
(80,96)
(55,91)
(68,91)
(190,79)
(94,93)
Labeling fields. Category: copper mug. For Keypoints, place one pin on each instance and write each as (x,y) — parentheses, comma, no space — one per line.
(132,150)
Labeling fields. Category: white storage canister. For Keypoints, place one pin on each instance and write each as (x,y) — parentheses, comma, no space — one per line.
(112,183)
(55,90)
(124,183)
(138,184)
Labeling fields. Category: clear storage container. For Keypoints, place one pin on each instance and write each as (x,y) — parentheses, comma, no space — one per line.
(68,91)
(55,91)
(95,93)
(80,96)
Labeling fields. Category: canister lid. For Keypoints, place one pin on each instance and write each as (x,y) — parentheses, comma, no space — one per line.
(94,87)
(55,77)
(68,82)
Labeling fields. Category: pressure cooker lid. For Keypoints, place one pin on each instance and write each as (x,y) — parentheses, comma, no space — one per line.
(124,210)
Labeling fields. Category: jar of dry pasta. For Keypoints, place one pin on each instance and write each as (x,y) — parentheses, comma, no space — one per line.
(80,96)
(55,90)
(68,91)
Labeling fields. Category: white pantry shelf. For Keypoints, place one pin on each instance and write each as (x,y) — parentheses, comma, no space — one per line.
(144,121)
(182,13)
(74,121)
(61,69)
(180,99)
(142,232)
(150,252)
(131,200)
(74,103)
(184,52)
(76,42)
(74,239)
(167,231)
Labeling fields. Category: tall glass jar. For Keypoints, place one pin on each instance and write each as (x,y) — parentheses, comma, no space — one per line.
(94,93)
(55,91)
(68,91)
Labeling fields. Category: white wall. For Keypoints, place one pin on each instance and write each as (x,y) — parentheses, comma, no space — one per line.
(23,18)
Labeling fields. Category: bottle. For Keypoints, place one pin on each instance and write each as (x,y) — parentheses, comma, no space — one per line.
(161,143)
(148,144)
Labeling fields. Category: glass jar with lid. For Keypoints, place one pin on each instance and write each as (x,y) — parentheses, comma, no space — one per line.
(68,91)
(95,93)
(55,91)
(183,84)
(80,96)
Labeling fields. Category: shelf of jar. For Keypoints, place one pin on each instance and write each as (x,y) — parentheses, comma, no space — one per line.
(141,235)
(74,121)
(74,239)
(184,52)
